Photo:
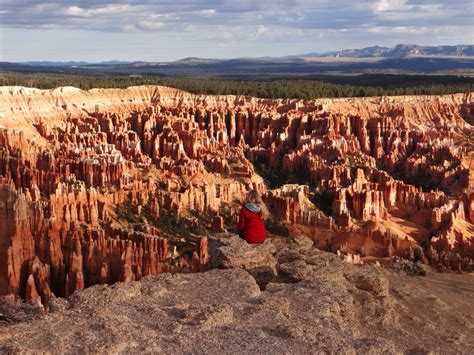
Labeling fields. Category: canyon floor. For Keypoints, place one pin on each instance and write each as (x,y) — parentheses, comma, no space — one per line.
(315,302)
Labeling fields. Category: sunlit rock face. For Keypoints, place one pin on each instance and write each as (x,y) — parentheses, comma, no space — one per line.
(111,185)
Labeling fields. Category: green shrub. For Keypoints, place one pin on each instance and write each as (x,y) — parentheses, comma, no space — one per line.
(410,268)
(324,199)
(277,228)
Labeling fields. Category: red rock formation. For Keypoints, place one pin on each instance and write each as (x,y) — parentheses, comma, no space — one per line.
(97,190)
(290,204)
(218,224)
(31,294)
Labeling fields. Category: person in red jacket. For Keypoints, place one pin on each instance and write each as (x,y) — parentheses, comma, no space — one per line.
(251,220)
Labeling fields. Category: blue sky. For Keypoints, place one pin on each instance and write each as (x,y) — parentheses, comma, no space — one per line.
(169,30)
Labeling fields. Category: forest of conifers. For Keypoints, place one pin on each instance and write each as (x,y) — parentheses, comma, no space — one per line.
(302,88)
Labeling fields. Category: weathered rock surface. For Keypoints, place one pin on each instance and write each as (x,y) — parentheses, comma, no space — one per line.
(327,305)
(231,252)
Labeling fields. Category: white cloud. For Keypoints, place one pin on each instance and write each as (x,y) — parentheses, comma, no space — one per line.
(398,29)
(262,29)
(148,25)
(130,28)
(413,30)
(257,21)
(208,12)
(75,11)
(97,11)
(391,5)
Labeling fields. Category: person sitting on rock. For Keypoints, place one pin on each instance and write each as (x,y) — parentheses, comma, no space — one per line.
(252,219)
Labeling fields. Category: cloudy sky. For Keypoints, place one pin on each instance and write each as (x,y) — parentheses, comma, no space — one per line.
(162,30)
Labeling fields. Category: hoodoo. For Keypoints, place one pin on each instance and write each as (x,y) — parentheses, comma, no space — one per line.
(112,185)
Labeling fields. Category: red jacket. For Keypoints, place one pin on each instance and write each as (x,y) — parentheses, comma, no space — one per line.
(252,227)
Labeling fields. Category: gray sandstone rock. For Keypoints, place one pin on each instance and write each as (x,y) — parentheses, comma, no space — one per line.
(315,303)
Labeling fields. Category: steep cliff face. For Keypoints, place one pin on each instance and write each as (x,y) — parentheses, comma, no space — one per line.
(103,185)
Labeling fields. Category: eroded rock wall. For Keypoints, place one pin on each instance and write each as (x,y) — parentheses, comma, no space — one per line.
(89,178)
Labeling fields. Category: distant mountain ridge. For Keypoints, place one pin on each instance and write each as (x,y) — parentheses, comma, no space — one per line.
(400,59)
(46,63)
(399,51)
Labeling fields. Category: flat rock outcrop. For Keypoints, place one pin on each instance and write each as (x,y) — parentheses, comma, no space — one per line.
(317,302)
(231,252)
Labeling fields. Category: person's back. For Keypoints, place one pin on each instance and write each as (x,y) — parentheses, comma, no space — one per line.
(251,223)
